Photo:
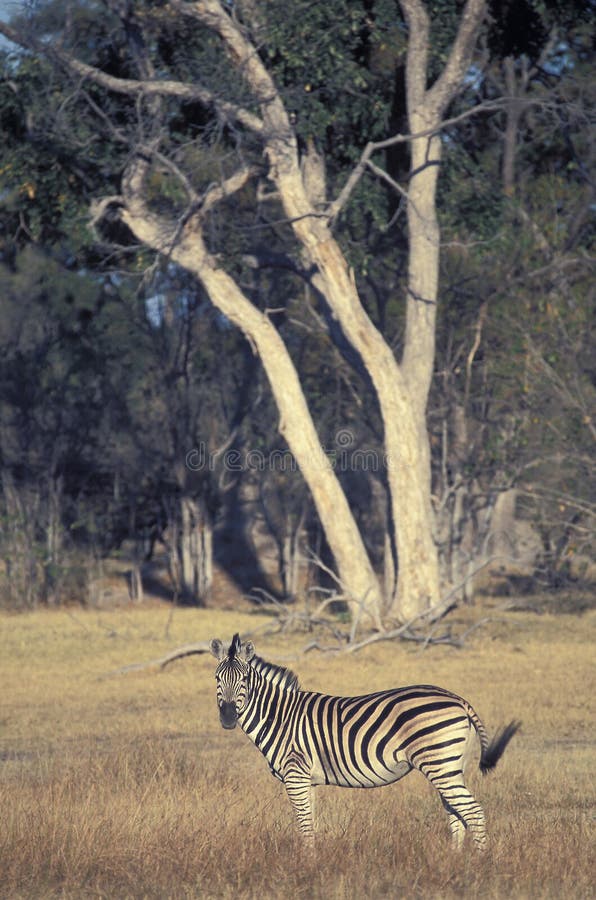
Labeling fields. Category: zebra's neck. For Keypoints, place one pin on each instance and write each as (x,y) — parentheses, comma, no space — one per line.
(272,692)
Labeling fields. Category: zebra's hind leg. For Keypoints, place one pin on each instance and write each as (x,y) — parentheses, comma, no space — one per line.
(464,812)
(457,826)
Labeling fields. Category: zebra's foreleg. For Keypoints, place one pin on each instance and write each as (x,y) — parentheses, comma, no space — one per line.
(297,781)
(299,792)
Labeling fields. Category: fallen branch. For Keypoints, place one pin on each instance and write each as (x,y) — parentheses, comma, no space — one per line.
(406,632)
(179,653)
(289,617)
(163,661)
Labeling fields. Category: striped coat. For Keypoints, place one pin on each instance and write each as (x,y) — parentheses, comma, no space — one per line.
(310,739)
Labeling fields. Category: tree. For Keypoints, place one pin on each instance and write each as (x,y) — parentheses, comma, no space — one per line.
(256,123)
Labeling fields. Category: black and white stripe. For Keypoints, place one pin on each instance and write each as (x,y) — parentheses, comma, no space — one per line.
(310,739)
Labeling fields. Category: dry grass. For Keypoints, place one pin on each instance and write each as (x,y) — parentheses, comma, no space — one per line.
(126,786)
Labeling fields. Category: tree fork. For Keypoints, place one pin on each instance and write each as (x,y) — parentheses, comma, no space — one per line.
(186,247)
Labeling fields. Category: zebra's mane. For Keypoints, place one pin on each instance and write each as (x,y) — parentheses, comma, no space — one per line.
(277,675)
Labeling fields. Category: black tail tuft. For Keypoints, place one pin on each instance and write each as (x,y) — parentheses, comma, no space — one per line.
(496,748)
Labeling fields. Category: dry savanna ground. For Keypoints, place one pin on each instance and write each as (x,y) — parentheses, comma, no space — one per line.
(125,785)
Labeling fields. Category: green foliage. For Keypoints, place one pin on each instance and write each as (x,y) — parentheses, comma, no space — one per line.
(50,165)
(320,57)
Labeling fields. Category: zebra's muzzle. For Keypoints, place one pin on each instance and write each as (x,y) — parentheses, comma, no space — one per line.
(228,715)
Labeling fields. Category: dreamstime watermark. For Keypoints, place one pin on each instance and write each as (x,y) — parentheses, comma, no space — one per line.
(342,457)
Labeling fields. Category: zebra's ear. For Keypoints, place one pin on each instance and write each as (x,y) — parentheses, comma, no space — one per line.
(217,648)
(248,651)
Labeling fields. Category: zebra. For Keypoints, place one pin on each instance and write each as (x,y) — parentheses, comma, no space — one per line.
(310,739)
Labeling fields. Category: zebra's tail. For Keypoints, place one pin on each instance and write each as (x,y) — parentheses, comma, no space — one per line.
(492,752)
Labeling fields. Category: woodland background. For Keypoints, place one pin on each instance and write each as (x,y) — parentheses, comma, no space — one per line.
(138,435)
(143,453)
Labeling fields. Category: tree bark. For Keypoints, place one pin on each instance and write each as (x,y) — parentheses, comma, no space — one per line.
(425,108)
(408,473)
(401,389)
(188,249)
(196,549)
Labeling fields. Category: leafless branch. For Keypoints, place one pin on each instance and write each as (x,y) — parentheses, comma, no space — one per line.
(581,505)
(334,208)
(385,176)
(290,617)
(473,351)
(451,78)
(194,649)
(228,186)
(163,661)
(147,87)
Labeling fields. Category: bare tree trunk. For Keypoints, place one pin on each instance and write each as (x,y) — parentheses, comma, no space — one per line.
(389,568)
(54,541)
(195,548)
(296,425)
(513,116)
(206,568)
(286,528)
(171,543)
(402,390)
(135,583)
(188,549)
(291,555)
(418,583)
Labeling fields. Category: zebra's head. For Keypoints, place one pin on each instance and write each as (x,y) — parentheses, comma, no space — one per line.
(231,676)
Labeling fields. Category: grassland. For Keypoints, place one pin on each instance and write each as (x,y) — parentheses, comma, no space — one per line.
(125,786)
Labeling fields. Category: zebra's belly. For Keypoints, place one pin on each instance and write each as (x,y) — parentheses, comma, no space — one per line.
(359,775)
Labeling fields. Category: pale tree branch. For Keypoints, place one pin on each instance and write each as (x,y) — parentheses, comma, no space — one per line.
(452,77)
(163,661)
(334,208)
(227,187)
(417,21)
(385,176)
(195,649)
(137,87)
(280,144)
(169,233)
(242,52)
